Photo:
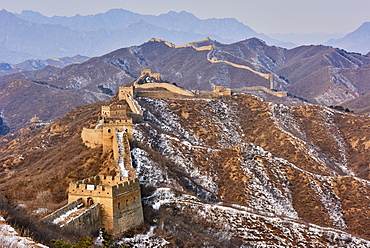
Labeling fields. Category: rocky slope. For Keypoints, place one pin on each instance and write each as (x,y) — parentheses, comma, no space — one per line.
(226,172)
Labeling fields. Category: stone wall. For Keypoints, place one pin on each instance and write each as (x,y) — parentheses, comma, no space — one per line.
(92,137)
(71,205)
(275,93)
(264,75)
(128,212)
(123,91)
(88,221)
(169,87)
(161,94)
(128,94)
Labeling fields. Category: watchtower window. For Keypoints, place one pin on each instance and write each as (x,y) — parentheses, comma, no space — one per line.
(119,205)
(109,130)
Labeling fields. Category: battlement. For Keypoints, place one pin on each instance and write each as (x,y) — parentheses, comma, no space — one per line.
(146,71)
(104,186)
(114,107)
(118,122)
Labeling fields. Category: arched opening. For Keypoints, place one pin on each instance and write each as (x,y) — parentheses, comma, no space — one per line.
(109,130)
(90,202)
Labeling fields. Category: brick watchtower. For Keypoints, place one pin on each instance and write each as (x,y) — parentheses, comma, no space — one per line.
(119,200)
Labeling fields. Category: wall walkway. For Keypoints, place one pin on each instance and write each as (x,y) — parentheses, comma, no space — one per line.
(169,87)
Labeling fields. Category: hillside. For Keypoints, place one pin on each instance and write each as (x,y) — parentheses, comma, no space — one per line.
(317,74)
(222,172)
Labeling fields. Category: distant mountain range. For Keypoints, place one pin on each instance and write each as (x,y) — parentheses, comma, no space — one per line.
(317,74)
(357,41)
(30,35)
(304,39)
(36,64)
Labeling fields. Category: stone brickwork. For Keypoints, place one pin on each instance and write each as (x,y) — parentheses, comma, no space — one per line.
(169,87)
(62,211)
(92,137)
(116,111)
(88,220)
(128,94)
(77,216)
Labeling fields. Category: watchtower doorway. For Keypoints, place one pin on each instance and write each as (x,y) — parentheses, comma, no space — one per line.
(90,202)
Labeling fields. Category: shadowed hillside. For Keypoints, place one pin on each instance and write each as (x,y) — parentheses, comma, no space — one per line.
(225,172)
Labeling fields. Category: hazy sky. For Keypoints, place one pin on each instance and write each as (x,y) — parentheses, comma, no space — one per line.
(264,16)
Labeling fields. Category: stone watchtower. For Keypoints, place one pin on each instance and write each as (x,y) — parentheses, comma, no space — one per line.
(149,73)
(119,199)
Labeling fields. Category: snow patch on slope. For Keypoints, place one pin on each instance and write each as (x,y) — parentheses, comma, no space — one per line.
(148,239)
(10,238)
(256,230)
(258,165)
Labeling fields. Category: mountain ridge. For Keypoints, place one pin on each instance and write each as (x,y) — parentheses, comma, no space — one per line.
(317,74)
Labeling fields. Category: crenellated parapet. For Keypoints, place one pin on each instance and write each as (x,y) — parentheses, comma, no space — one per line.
(103,186)
(118,122)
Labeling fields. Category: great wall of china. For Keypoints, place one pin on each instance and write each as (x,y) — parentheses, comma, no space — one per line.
(214,60)
(114,202)
(109,202)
